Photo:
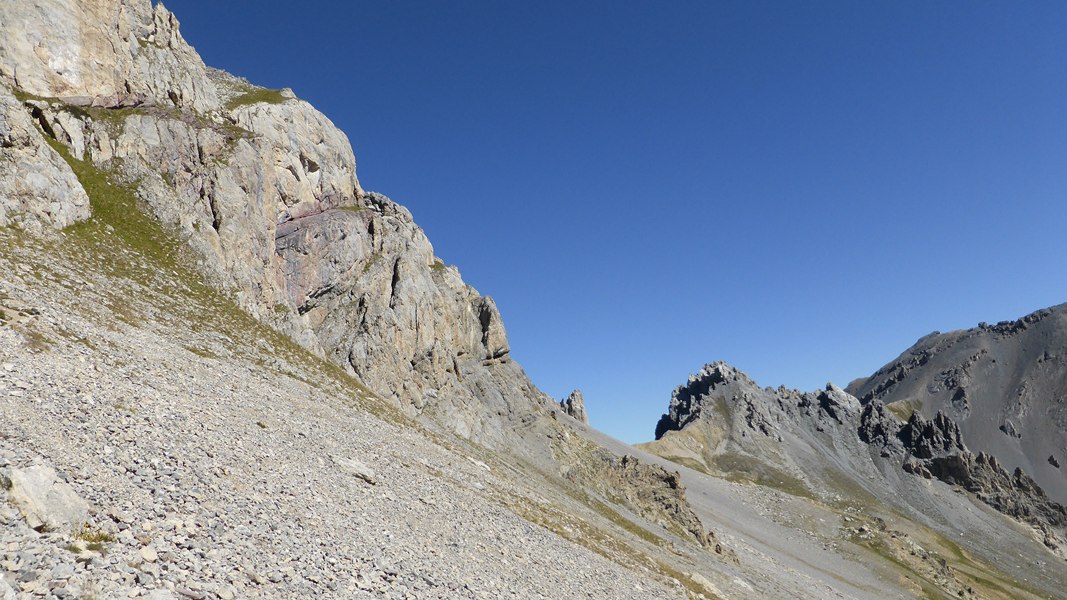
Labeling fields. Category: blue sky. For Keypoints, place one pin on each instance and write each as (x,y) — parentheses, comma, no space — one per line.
(800,189)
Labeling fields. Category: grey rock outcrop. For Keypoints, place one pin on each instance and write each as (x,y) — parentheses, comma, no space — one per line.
(656,493)
(722,393)
(574,405)
(722,422)
(646,489)
(811,441)
(46,502)
(879,429)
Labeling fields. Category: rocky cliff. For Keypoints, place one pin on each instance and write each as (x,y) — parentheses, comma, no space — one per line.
(722,422)
(260,190)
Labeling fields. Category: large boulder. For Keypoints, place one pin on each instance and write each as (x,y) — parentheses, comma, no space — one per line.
(47,503)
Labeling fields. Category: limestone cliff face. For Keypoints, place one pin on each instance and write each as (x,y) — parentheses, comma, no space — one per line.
(38,190)
(262,188)
(105,51)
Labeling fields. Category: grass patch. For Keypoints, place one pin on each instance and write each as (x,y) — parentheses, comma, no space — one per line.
(201,352)
(927,588)
(575,529)
(744,469)
(370,263)
(24,96)
(615,517)
(691,463)
(256,95)
(36,341)
(903,409)
(95,536)
(438,266)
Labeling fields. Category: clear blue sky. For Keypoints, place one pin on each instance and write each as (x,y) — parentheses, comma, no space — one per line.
(800,189)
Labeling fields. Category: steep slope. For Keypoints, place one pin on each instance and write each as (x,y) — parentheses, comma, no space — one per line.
(220,460)
(1004,384)
(175,210)
(261,188)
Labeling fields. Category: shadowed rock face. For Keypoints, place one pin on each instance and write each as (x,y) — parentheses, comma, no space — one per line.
(1005,385)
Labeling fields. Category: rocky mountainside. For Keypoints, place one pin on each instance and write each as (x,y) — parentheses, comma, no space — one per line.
(831,448)
(1004,384)
(228,371)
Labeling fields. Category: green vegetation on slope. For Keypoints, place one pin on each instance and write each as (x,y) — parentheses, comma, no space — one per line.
(256,95)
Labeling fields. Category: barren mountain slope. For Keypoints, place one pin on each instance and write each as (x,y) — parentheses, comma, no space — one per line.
(835,458)
(219,459)
(1005,384)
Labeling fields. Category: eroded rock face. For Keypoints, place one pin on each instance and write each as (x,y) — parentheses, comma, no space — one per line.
(107,52)
(879,429)
(574,405)
(38,190)
(653,491)
(648,490)
(47,503)
(928,438)
(721,393)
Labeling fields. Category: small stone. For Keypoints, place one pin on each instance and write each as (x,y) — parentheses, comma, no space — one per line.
(356,468)
(148,554)
(62,571)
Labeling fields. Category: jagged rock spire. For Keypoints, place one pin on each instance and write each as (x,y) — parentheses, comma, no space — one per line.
(574,405)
